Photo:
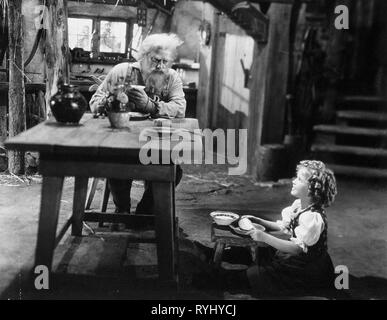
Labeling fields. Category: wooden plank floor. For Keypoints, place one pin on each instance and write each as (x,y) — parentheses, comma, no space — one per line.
(101,255)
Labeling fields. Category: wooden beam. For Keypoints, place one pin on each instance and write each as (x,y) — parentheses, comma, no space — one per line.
(268,85)
(207,58)
(134,3)
(16,93)
(226,6)
(56,46)
(131,3)
(105,169)
(220,5)
(162,9)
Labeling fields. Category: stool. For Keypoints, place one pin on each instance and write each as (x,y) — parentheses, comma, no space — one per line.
(91,193)
(223,236)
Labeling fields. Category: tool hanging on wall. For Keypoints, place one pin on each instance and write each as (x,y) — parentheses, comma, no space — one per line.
(246,73)
(42,22)
(142,14)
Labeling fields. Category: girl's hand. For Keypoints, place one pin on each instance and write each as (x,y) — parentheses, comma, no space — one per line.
(252,217)
(257,235)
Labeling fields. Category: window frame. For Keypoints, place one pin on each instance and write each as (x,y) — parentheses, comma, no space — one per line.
(96,25)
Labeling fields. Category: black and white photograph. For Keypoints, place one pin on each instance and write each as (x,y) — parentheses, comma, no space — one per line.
(191,154)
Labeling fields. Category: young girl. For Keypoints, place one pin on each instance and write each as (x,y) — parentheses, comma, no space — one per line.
(301,260)
(297,258)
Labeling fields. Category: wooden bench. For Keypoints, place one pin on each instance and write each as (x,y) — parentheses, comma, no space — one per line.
(224,236)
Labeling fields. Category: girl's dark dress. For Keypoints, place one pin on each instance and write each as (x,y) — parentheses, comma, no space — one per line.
(283,273)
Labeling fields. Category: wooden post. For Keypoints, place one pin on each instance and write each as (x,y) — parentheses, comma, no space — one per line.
(57,49)
(207,61)
(268,85)
(3,123)
(16,93)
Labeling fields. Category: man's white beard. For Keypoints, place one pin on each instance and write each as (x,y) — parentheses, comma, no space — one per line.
(156,80)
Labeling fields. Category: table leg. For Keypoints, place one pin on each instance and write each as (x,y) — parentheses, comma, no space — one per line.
(165,226)
(219,247)
(80,193)
(48,220)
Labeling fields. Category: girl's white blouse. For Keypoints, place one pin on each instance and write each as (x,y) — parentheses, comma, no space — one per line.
(309,228)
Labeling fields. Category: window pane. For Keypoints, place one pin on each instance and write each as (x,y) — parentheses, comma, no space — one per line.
(136,40)
(113,36)
(137,36)
(80,33)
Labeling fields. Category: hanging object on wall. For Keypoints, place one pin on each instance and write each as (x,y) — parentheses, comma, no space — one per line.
(205,33)
(42,23)
(142,14)
(253,21)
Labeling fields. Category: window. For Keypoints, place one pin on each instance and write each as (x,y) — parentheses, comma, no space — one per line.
(113,36)
(80,31)
(107,36)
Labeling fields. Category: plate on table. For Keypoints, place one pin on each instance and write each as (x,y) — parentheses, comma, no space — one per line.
(136,116)
(234,226)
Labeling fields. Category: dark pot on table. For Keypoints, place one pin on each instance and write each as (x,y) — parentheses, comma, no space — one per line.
(68,105)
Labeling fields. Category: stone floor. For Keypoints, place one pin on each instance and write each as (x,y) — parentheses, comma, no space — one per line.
(106,265)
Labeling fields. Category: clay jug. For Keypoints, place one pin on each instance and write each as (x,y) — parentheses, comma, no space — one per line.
(68,105)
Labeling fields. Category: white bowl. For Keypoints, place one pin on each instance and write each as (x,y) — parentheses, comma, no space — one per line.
(136,86)
(224,218)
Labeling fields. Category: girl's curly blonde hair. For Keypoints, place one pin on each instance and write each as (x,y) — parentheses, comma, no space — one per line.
(322,182)
(160,41)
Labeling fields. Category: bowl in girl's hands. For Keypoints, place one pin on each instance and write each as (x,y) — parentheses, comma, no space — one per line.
(224,218)
(244,227)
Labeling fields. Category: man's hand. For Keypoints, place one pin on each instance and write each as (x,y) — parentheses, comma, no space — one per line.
(142,101)
(122,97)
(101,107)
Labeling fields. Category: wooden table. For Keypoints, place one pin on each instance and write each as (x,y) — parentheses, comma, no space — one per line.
(94,149)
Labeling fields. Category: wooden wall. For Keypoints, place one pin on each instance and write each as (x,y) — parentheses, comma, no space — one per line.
(224,101)
(231,102)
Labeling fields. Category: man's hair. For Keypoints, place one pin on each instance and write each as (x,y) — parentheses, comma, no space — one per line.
(160,41)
